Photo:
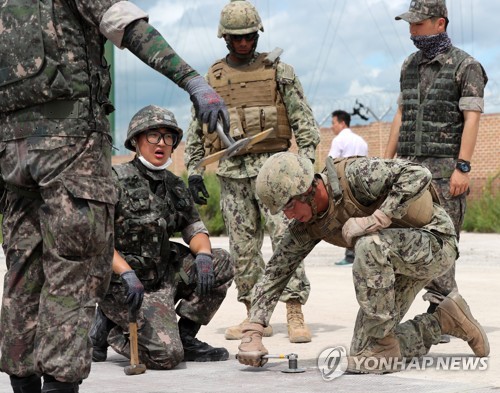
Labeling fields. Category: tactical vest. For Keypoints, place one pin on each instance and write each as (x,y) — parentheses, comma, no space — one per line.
(432,125)
(54,68)
(145,222)
(254,102)
(343,206)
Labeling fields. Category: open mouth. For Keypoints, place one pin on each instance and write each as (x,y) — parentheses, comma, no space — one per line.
(159,153)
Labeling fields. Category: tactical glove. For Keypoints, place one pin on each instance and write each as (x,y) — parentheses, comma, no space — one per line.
(134,290)
(196,185)
(359,226)
(251,348)
(203,270)
(208,104)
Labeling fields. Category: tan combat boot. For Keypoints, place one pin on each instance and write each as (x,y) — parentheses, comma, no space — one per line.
(298,332)
(455,319)
(383,357)
(235,332)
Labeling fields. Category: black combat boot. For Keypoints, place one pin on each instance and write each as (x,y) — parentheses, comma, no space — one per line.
(31,384)
(196,350)
(52,385)
(99,335)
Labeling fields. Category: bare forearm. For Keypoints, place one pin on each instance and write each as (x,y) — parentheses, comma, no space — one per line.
(469,135)
(392,144)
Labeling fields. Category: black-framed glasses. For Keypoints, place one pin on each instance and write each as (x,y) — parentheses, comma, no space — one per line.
(154,137)
(247,37)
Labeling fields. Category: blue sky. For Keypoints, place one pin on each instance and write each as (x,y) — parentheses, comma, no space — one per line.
(342,51)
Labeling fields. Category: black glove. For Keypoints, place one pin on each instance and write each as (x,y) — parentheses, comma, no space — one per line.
(208,104)
(196,185)
(203,269)
(134,289)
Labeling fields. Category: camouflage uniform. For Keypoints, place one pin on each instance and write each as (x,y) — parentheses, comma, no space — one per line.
(241,208)
(391,265)
(55,158)
(470,80)
(163,271)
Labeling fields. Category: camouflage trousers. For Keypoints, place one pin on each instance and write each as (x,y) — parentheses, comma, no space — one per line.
(58,242)
(160,346)
(389,270)
(246,218)
(441,286)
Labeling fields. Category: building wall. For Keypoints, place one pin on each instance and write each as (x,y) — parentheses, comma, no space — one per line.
(485,162)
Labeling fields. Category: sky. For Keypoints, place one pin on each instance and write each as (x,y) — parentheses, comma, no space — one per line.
(343,51)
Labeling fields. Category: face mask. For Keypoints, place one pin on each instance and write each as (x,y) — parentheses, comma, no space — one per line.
(148,165)
(432,45)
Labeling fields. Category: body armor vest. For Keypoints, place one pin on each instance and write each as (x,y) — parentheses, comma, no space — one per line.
(432,125)
(254,102)
(343,206)
(54,67)
(145,222)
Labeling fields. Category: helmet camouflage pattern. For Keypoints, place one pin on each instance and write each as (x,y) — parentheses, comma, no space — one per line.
(150,117)
(239,17)
(283,176)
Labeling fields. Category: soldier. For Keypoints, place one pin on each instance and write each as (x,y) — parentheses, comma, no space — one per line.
(268,94)
(437,120)
(402,240)
(55,158)
(153,205)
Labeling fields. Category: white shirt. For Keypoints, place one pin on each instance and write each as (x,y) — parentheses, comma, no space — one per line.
(347,144)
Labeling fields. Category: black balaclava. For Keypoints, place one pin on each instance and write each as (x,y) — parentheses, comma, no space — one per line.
(432,45)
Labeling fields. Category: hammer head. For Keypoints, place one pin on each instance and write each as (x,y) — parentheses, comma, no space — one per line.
(135,369)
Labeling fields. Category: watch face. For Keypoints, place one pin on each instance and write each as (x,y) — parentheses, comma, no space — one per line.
(463,167)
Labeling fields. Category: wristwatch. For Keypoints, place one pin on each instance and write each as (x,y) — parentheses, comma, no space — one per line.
(463,166)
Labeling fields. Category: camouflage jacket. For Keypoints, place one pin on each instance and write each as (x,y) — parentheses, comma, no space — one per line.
(152,207)
(301,121)
(370,179)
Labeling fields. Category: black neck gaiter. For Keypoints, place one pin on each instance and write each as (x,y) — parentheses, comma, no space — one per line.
(432,45)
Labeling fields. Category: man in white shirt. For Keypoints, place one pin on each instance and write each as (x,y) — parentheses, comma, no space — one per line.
(346,143)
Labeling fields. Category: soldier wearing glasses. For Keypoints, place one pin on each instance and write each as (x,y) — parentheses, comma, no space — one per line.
(167,278)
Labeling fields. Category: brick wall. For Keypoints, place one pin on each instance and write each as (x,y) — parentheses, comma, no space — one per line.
(485,162)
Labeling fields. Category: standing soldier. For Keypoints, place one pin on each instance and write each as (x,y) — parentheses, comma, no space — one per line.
(437,120)
(55,158)
(261,92)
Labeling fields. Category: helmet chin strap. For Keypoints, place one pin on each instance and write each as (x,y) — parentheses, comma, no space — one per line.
(248,56)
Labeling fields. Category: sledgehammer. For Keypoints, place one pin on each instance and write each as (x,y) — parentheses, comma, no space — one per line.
(135,367)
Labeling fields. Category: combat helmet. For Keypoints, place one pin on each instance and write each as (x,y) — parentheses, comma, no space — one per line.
(239,17)
(150,117)
(283,176)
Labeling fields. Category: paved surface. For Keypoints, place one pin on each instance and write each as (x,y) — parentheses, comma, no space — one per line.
(330,313)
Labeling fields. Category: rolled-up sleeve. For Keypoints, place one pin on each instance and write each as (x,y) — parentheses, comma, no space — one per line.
(193,229)
(117,18)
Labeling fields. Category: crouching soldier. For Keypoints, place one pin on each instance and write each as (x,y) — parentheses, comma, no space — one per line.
(168,278)
(402,240)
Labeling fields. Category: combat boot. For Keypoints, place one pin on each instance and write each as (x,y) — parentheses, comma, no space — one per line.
(298,331)
(31,384)
(381,358)
(196,350)
(51,385)
(455,319)
(101,326)
(235,332)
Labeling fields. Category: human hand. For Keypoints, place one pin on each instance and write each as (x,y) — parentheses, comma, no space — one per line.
(134,290)
(459,182)
(208,105)
(251,349)
(203,269)
(196,185)
(359,226)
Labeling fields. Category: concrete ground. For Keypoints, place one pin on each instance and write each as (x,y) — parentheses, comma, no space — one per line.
(330,313)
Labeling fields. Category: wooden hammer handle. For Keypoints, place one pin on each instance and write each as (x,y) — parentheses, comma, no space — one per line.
(134,351)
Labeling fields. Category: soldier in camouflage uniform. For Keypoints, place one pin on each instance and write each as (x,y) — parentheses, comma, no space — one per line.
(55,158)
(267,94)
(154,204)
(383,209)
(437,120)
